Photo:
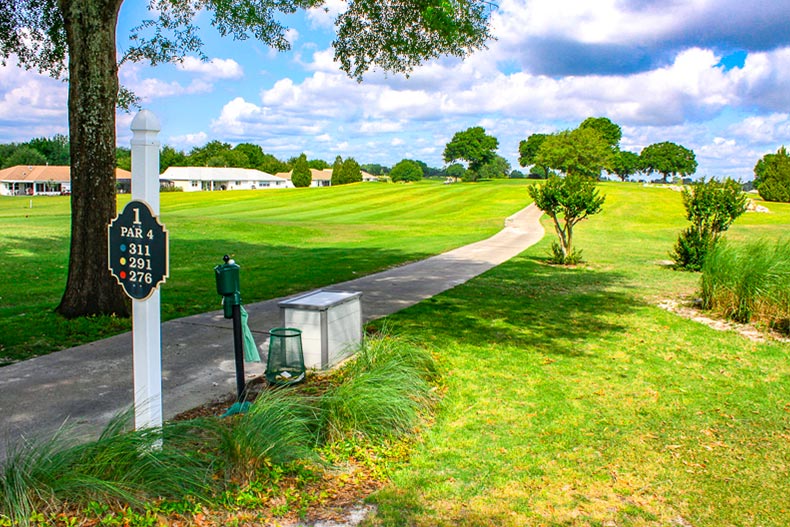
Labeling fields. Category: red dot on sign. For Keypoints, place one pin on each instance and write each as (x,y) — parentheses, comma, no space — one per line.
(123,275)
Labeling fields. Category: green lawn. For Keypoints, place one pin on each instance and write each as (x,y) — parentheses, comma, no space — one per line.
(571,399)
(286,241)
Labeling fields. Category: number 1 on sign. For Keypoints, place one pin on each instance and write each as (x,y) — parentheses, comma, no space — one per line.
(136,217)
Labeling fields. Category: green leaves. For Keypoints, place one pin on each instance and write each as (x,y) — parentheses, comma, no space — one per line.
(711,206)
(397,36)
(34,31)
(582,151)
(301,175)
(668,159)
(772,176)
(472,145)
(567,200)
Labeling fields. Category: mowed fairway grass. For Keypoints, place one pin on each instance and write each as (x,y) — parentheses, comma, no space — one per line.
(568,398)
(571,399)
(286,241)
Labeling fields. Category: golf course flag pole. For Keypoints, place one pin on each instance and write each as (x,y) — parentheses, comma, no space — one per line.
(146,249)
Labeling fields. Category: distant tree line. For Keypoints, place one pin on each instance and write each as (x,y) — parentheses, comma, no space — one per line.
(39,151)
(594,147)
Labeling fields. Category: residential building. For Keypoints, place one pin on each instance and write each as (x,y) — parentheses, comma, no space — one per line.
(192,179)
(35,180)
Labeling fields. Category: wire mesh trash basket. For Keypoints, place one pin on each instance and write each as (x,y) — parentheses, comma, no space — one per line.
(285,364)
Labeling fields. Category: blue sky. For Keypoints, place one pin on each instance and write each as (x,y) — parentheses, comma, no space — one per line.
(713,75)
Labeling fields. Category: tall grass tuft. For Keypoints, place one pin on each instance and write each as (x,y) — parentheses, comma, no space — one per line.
(121,467)
(386,387)
(749,282)
(279,427)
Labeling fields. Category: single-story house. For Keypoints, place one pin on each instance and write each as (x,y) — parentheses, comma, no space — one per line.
(191,179)
(323,178)
(35,180)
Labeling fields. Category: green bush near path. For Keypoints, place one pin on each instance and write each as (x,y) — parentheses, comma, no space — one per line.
(286,241)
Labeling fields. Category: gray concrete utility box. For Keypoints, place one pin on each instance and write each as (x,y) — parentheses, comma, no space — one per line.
(331,324)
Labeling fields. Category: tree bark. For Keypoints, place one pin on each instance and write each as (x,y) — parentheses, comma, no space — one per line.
(93,90)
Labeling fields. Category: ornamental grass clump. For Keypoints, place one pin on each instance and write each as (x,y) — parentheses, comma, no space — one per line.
(278,428)
(749,282)
(385,389)
(122,467)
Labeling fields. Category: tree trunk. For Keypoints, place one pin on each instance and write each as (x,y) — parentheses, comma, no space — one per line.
(93,90)
(561,235)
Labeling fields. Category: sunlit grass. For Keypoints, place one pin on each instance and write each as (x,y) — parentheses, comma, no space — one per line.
(572,399)
(286,241)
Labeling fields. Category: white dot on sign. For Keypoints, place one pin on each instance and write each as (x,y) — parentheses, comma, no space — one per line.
(123,261)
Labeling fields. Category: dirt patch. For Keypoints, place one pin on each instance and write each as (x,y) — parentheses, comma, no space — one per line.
(688,310)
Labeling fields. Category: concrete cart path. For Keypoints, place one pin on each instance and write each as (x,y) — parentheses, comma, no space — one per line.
(89,384)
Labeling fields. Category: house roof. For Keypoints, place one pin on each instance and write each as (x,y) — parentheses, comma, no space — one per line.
(42,173)
(216,174)
(318,175)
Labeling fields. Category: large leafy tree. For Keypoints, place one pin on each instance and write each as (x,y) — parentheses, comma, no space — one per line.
(611,132)
(772,176)
(337,171)
(582,152)
(24,155)
(528,149)
(668,159)
(78,37)
(497,168)
(474,146)
(350,172)
(567,200)
(625,164)
(406,170)
(56,149)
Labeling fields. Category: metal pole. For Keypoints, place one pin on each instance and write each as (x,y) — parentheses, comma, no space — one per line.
(238,347)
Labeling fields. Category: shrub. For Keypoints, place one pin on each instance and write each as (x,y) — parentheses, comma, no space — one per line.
(772,176)
(567,201)
(278,428)
(749,282)
(301,175)
(711,206)
(691,248)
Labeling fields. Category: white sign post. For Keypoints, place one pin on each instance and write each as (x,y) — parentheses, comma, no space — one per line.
(146,328)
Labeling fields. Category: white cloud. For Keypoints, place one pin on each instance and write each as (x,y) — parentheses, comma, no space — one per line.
(767,129)
(31,105)
(240,119)
(188,140)
(291,35)
(325,14)
(381,126)
(213,69)
(397,141)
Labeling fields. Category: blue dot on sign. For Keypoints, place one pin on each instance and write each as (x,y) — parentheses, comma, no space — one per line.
(123,247)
